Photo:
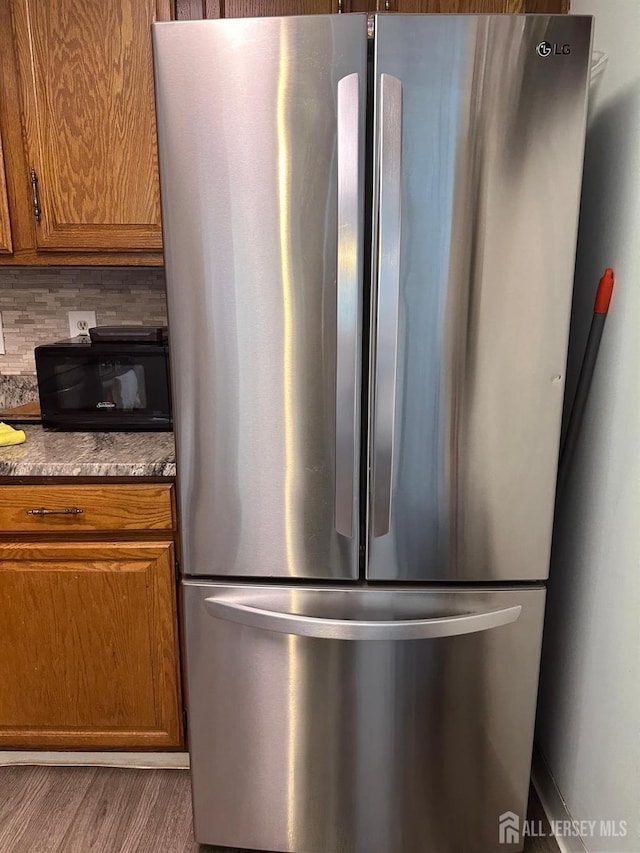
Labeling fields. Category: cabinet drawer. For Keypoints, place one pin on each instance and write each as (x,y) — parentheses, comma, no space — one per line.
(62,508)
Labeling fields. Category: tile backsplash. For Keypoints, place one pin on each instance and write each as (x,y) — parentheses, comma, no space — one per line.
(34,302)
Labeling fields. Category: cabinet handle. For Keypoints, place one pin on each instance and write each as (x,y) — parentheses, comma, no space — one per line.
(69,510)
(387,5)
(37,210)
(340,7)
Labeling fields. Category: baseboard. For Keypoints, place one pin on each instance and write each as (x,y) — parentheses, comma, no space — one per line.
(553,804)
(139,760)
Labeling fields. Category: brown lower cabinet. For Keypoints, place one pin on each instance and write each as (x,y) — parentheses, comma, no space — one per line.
(89,651)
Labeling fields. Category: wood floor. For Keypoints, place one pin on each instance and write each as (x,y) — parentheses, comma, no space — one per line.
(115,810)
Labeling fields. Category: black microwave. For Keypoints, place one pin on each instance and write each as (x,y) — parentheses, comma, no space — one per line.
(119,380)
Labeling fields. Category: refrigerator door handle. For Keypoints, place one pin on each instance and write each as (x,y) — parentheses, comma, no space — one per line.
(347,288)
(389,232)
(240,611)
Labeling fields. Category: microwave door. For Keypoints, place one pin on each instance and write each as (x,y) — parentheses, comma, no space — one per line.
(124,386)
(98,390)
(74,386)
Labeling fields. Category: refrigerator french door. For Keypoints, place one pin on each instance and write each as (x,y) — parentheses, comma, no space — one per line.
(369,248)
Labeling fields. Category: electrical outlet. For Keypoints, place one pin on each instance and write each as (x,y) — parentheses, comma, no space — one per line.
(80,322)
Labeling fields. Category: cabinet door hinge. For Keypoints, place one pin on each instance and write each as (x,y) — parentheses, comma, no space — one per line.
(37,210)
(176,566)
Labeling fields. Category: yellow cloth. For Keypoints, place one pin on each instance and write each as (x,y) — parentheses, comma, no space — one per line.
(9,435)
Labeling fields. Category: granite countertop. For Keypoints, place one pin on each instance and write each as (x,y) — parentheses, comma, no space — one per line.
(47,453)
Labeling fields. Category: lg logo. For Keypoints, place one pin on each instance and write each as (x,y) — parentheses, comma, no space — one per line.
(545,48)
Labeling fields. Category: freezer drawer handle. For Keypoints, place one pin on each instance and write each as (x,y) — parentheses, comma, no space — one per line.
(233,610)
(348,282)
(389,231)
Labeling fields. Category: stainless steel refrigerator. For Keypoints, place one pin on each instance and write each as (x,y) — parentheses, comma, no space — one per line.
(369,232)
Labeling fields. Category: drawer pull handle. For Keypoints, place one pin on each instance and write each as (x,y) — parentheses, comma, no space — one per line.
(69,510)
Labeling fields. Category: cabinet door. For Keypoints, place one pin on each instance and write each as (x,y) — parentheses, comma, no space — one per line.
(268,8)
(89,121)
(449,6)
(197,10)
(88,658)
(5,224)
(474,6)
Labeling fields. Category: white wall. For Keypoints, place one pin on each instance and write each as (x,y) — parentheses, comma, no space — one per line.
(589,707)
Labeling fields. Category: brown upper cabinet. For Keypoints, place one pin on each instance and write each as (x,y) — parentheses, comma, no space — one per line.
(89,124)
(191,10)
(5,223)
(77,120)
(487,6)
(197,9)
(261,8)
(478,6)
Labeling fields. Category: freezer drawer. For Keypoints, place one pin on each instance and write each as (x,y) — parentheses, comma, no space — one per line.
(333,720)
